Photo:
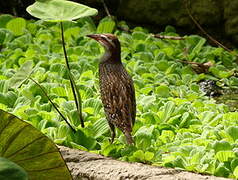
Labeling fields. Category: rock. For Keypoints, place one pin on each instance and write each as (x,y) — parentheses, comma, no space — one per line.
(210,88)
(218,17)
(231,19)
(155,12)
(88,166)
(172,12)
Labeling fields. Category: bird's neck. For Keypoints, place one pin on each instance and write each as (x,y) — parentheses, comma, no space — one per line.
(110,56)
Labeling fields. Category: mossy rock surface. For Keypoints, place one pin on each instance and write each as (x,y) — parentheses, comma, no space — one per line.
(218,17)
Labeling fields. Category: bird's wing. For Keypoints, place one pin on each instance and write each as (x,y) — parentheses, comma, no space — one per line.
(118,97)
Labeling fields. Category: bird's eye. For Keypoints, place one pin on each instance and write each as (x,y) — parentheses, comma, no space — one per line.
(107,39)
(110,41)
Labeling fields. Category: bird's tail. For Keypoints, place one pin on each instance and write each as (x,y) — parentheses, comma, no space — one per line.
(129,138)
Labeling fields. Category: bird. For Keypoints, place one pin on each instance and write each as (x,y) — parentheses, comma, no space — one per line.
(116,88)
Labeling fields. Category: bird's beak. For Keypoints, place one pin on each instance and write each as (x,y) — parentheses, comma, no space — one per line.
(97,37)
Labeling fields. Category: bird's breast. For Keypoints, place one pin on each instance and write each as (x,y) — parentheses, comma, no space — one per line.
(113,74)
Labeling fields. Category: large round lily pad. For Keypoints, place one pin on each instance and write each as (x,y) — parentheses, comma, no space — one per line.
(26,146)
(59,10)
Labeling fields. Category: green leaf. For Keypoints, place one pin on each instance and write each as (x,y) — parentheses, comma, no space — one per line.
(220,73)
(167,136)
(4,19)
(59,10)
(184,119)
(199,45)
(81,138)
(110,150)
(22,74)
(222,146)
(168,110)
(147,100)
(144,136)
(100,127)
(17,26)
(169,28)
(180,162)
(224,156)
(106,25)
(59,91)
(145,131)
(71,32)
(8,98)
(29,148)
(233,132)
(195,44)
(139,35)
(87,75)
(2,35)
(12,171)
(234,164)
(149,156)
(77,146)
(78,99)
(162,91)
(222,170)
(162,65)
(4,85)
(139,154)
(235,172)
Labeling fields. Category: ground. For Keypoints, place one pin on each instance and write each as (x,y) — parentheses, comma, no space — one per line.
(88,166)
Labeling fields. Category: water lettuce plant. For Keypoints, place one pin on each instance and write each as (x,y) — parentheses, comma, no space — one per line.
(176,124)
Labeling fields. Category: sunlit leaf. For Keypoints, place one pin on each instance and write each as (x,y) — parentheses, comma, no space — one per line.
(17,26)
(59,10)
(100,127)
(224,156)
(168,110)
(22,74)
(235,172)
(162,91)
(233,132)
(148,156)
(106,25)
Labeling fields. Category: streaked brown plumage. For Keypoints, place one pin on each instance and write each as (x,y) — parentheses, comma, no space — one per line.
(116,87)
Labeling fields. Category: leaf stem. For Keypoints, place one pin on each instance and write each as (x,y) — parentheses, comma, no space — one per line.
(106,8)
(187,3)
(76,94)
(64,118)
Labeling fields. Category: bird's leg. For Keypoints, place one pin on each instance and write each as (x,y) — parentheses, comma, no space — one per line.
(129,138)
(113,133)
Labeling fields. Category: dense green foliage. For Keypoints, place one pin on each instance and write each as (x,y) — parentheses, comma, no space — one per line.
(176,124)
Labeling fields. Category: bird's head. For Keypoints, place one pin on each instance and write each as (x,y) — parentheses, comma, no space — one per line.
(110,42)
